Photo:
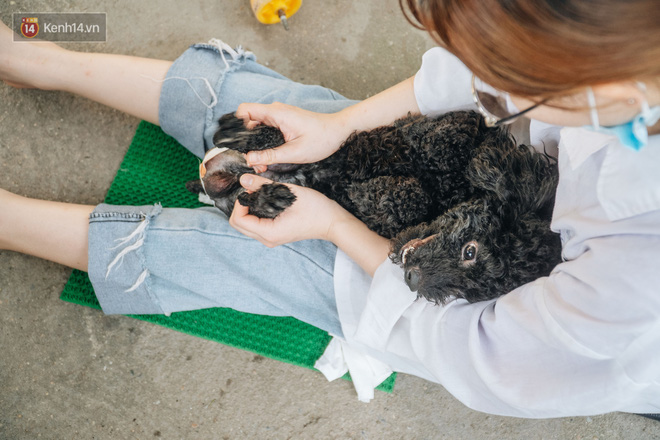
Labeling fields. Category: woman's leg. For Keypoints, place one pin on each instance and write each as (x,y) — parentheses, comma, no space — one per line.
(128,84)
(153,260)
(149,259)
(50,230)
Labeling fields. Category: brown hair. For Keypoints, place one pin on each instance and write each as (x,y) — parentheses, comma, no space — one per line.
(542,48)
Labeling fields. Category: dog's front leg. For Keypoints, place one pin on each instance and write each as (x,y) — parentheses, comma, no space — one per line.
(233,134)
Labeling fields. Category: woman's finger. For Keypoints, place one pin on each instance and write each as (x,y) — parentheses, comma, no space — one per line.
(251,124)
(253,182)
(251,226)
(260,113)
(242,221)
(249,112)
(290,152)
(259,168)
(266,157)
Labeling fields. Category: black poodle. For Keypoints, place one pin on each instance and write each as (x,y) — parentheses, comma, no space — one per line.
(467,210)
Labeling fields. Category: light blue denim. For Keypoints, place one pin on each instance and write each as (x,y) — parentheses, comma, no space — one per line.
(153,260)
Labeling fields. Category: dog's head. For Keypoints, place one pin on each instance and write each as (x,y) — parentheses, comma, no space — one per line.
(475,253)
(493,243)
(223,165)
(220,173)
(219,178)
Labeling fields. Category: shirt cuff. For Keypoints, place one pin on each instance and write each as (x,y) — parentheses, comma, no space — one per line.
(388,298)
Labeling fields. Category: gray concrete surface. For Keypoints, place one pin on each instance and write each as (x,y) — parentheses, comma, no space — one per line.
(68,372)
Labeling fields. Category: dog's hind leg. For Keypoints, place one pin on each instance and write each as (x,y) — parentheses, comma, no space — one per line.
(269,201)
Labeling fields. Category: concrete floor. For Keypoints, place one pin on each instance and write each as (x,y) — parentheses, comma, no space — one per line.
(68,372)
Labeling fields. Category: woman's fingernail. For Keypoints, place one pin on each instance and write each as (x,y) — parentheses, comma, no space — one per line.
(247,179)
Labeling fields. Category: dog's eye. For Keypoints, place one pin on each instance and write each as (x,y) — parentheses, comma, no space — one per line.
(469,252)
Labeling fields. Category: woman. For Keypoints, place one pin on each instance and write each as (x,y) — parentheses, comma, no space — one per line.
(583,340)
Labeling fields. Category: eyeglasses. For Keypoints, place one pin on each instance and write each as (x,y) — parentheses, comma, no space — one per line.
(495,105)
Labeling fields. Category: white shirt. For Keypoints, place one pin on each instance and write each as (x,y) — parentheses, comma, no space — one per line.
(584,340)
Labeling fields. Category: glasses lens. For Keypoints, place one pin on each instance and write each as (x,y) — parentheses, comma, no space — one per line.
(495,102)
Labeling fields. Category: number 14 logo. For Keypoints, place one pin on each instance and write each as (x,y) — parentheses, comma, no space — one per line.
(29,27)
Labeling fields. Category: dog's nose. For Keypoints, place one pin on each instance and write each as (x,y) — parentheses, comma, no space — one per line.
(413,275)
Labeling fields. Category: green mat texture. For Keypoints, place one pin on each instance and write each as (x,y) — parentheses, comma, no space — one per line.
(155,170)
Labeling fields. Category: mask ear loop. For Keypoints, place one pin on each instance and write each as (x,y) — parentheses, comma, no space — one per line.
(591,99)
(646,110)
(649,116)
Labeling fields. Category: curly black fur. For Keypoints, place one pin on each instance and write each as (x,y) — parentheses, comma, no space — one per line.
(467,209)
(269,201)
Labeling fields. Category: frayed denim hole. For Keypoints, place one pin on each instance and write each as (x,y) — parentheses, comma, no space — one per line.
(133,243)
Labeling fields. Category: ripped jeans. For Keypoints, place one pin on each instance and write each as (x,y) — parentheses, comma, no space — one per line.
(150,260)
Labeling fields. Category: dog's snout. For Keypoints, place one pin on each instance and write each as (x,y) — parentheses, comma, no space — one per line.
(413,277)
(409,248)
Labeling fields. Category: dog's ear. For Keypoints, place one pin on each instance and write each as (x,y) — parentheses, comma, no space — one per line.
(517,176)
(195,186)
(531,248)
(217,184)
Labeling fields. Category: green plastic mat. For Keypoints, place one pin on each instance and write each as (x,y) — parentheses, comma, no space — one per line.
(154,170)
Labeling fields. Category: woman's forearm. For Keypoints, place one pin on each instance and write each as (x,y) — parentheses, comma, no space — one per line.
(381,109)
(364,246)
(311,137)
(361,244)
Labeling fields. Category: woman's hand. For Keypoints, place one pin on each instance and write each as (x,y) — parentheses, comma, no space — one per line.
(312,215)
(309,136)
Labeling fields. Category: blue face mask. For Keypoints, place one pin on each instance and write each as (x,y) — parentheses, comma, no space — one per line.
(633,134)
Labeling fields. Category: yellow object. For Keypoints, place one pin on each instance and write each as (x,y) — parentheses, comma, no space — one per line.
(274,11)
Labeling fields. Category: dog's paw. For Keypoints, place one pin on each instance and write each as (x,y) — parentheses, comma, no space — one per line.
(269,201)
(233,134)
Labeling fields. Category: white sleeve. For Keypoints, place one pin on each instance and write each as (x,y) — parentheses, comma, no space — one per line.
(442,84)
(583,341)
